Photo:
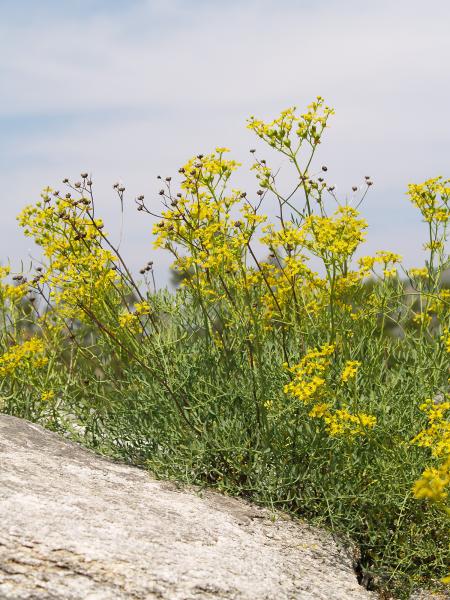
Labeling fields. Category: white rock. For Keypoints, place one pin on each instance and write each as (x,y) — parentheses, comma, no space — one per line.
(76,526)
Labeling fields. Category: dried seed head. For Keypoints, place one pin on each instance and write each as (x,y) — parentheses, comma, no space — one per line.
(142,271)
(355,188)
(252,150)
(324,168)
(78,184)
(84,175)
(168,179)
(161,192)
(116,185)
(140,207)
(141,197)
(65,180)
(121,189)
(260,192)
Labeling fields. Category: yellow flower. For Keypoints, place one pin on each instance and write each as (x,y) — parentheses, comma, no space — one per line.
(127,320)
(142,308)
(350,370)
(23,356)
(418,273)
(433,483)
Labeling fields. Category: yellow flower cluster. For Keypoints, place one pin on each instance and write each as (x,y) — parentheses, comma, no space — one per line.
(201,230)
(341,422)
(309,126)
(142,308)
(308,381)
(48,395)
(434,483)
(309,385)
(80,270)
(437,435)
(127,319)
(418,273)
(336,237)
(382,257)
(350,370)
(432,199)
(29,354)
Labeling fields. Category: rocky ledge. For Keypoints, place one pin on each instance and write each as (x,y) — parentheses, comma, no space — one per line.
(78,526)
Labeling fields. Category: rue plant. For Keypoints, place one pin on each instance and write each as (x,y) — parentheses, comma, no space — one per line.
(287,367)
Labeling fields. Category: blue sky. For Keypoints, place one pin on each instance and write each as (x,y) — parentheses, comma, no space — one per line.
(130,89)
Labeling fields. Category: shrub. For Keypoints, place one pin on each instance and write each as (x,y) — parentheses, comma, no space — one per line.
(319,390)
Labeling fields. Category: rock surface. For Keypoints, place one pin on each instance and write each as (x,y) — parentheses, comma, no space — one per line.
(77,526)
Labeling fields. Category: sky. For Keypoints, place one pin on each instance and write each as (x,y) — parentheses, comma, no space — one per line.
(129,89)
